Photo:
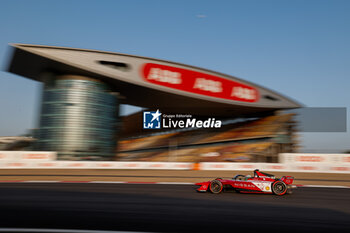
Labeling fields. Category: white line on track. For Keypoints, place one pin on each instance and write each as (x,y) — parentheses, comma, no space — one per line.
(135,182)
(32,230)
(181,183)
(40,181)
(324,186)
(107,182)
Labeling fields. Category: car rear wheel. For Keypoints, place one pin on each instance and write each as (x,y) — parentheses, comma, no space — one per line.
(279,188)
(216,186)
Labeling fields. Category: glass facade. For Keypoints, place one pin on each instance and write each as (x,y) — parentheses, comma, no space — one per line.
(78,119)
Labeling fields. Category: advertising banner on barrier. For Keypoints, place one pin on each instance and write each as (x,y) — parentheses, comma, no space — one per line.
(279,167)
(144,165)
(25,164)
(274,167)
(37,155)
(28,156)
(292,162)
(231,166)
(8,155)
(16,164)
(288,158)
(339,168)
(344,159)
(309,167)
(48,164)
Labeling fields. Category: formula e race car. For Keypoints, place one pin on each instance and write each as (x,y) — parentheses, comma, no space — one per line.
(261,182)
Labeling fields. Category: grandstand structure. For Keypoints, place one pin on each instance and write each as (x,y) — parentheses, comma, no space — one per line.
(83,90)
(258,140)
(15,142)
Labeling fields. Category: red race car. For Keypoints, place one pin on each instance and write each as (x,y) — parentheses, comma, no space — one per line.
(261,182)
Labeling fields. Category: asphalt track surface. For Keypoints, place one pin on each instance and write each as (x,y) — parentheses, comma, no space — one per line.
(170,208)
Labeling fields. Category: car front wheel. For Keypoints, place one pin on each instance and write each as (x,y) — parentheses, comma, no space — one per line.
(216,186)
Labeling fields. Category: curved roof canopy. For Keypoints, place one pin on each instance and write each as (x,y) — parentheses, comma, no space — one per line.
(152,83)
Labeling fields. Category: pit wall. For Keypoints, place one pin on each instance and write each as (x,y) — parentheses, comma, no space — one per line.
(291,162)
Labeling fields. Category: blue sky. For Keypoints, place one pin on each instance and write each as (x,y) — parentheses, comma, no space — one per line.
(298,48)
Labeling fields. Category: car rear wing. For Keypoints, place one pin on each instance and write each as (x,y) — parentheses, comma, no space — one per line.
(287,179)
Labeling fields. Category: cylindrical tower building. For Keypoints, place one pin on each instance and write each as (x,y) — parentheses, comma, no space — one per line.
(78,118)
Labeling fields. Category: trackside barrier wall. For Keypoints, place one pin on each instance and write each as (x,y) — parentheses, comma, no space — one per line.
(302,167)
(317,163)
(338,163)
(306,167)
(94,165)
(287,158)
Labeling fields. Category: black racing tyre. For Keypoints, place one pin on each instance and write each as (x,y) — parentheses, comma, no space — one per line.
(279,188)
(215,186)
